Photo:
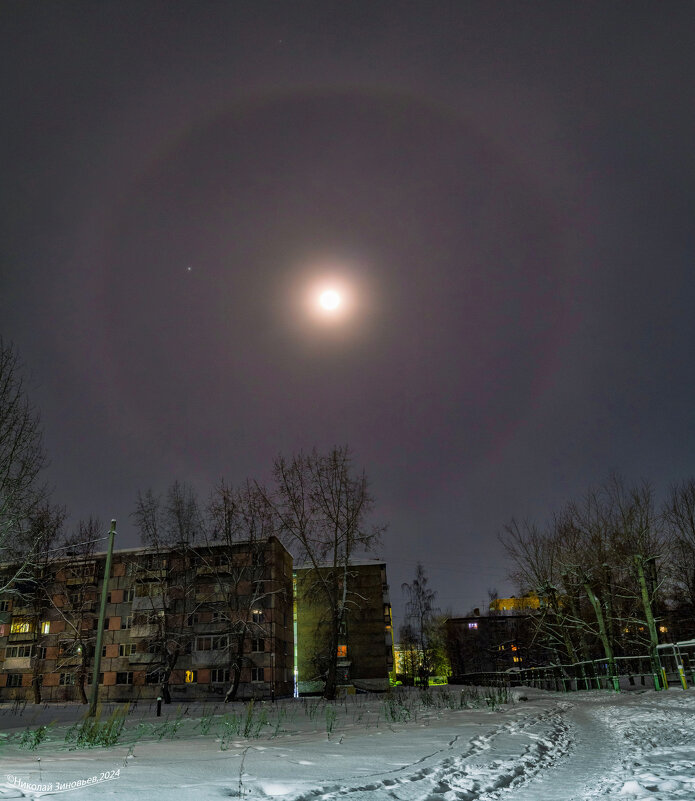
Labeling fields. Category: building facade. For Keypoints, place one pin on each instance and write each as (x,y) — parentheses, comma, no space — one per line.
(365,646)
(197,621)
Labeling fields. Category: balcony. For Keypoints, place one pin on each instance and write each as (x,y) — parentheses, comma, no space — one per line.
(148,603)
(17,663)
(141,658)
(22,636)
(144,630)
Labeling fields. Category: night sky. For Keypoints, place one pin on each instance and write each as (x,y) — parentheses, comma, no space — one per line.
(504,193)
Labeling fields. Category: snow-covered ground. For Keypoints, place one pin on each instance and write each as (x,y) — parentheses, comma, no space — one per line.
(550,747)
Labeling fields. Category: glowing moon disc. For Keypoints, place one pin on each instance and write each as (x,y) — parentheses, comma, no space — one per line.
(329,300)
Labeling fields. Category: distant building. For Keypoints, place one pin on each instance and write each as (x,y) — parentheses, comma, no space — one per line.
(523,604)
(191,601)
(365,650)
(490,643)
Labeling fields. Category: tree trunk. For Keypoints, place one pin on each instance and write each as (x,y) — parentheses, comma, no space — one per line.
(603,633)
(235,669)
(649,616)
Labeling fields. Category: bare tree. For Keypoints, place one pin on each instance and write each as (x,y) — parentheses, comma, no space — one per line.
(240,524)
(165,588)
(22,458)
(72,596)
(321,507)
(679,516)
(421,615)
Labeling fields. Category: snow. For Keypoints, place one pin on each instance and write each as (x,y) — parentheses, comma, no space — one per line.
(552,747)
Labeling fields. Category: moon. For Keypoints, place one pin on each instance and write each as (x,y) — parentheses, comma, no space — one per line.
(329,300)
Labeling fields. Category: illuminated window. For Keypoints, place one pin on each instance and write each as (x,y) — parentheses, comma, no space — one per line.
(191,676)
(472,625)
(514,648)
(517,659)
(342,651)
(257,615)
(46,627)
(22,625)
(663,629)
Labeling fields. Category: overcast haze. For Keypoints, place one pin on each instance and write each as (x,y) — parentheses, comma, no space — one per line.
(505,190)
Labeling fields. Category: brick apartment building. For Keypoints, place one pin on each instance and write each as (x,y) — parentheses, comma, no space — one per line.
(185,611)
(365,650)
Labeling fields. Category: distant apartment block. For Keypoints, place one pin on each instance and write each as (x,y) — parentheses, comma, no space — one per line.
(365,649)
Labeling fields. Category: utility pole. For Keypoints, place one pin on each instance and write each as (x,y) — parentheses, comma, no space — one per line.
(100,629)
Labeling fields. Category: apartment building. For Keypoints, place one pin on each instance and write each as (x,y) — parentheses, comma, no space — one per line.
(365,649)
(197,621)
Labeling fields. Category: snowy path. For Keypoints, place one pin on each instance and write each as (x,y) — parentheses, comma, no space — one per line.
(578,747)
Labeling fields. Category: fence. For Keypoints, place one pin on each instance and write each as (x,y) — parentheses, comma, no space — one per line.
(676,665)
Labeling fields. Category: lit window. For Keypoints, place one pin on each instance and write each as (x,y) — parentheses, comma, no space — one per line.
(514,648)
(472,625)
(342,651)
(46,627)
(663,629)
(191,676)
(22,625)
(257,615)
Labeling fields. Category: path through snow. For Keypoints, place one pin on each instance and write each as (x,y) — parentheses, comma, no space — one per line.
(578,747)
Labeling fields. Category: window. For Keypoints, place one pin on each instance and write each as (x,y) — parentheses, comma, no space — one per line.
(14,680)
(153,678)
(67,678)
(217,616)
(106,623)
(148,589)
(211,643)
(258,644)
(128,595)
(258,558)
(46,627)
(257,674)
(342,651)
(4,606)
(41,652)
(90,677)
(218,675)
(126,649)
(124,678)
(18,651)
(193,619)
(191,676)
(472,625)
(126,622)
(103,650)
(21,625)
(257,615)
